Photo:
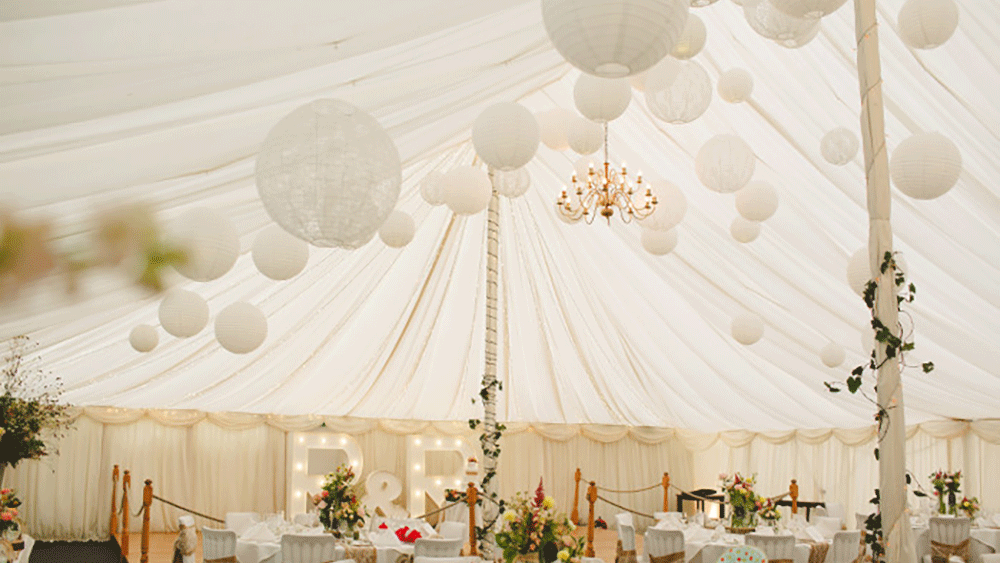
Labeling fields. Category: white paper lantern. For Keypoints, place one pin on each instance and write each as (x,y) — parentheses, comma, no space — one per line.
(859,272)
(744,230)
(925,24)
(278,255)
(808,8)
(143,338)
(692,39)
(747,328)
(240,328)
(832,355)
(601,99)
(671,206)
(638,81)
(774,24)
(659,243)
(725,163)
(925,166)
(839,146)
(685,99)
(398,229)
(329,174)
(432,188)
(506,136)
(513,183)
(614,39)
(585,136)
(735,85)
(210,242)
(794,42)
(702,3)
(757,201)
(183,313)
(467,190)
(554,127)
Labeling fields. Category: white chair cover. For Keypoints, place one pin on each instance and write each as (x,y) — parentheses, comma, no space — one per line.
(453,530)
(777,548)
(437,547)
(828,525)
(626,535)
(667,515)
(845,547)
(310,549)
(187,539)
(835,510)
(240,522)
(217,544)
(859,520)
(949,532)
(663,544)
(625,518)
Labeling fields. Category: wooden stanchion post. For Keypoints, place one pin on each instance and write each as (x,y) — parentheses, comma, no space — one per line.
(114,501)
(591,498)
(472,497)
(126,484)
(666,492)
(575,515)
(147,503)
(793,491)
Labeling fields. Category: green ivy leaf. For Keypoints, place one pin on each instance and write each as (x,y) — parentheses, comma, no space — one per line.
(853,384)
(927,367)
(876,454)
(858,371)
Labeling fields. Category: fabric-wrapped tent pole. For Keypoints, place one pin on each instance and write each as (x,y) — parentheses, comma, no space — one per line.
(489,441)
(900,547)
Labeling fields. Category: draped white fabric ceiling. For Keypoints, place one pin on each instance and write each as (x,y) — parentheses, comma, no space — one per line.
(169,101)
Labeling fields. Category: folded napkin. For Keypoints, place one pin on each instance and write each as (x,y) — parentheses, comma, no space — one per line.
(699,519)
(259,533)
(382,526)
(809,533)
(406,535)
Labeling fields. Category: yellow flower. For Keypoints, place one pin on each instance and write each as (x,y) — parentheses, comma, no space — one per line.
(548,502)
(509,516)
(563,555)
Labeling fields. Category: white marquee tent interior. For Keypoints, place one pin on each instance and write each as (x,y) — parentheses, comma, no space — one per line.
(612,359)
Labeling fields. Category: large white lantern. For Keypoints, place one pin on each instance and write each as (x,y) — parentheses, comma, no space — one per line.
(925,166)
(240,328)
(585,136)
(432,188)
(183,313)
(925,24)
(398,229)
(832,355)
(329,174)
(601,99)
(859,271)
(506,136)
(278,255)
(735,85)
(614,38)
(808,8)
(796,41)
(658,243)
(744,230)
(671,205)
(839,146)
(143,338)
(638,81)
(725,163)
(554,127)
(467,190)
(774,24)
(757,201)
(747,328)
(210,243)
(692,39)
(685,99)
(513,183)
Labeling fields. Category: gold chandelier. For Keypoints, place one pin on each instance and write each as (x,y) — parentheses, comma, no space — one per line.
(603,191)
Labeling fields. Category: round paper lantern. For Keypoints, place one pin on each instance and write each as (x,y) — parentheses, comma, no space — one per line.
(744,230)
(692,39)
(808,8)
(925,24)
(659,243)
(183,313)
(554,127)
(513,183)
(685,99)
(432,188)
(757,201)
(240,328)
(278,255)
(735,85)
(725,163)
(702,3)
(210,242)
(925,166)
(839,146)
(601,99)
(797,41)
(774,24)
(143,338)
(671,206)
(564,218)
(398,230)
(585,136)
(747,328)
(506,136)
(329,174)
(832,355)
(859,272)
(638,81)
(614,38)
(467,190)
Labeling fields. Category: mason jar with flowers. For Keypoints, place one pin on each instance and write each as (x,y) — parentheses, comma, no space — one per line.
(767,512)
(946,489)
(337,503)
(533,531)
(742,501)
(970,506)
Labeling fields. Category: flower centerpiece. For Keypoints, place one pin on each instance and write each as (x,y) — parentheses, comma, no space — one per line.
(970,506)
(533,530)
(947,486)
(742,500)
(10,527)
(337,503)
(768,512)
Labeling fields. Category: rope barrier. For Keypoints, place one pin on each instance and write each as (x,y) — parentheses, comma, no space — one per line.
(175,505)
(626,509)
(642,490)
(694,496)
(442,509)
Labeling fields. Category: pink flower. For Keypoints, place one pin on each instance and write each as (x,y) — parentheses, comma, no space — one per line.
(6,516)
(324,494)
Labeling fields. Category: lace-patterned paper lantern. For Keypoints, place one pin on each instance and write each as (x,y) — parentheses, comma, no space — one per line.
(735,85)
(925,24)
(744,230)
(278,255)
(183,313)
(614,38)
(211,244)
(240,328)
(432,188)
(659,243)
(692,39)
(725,163)
(670,208)
(467,190)
(601,99)
(685,98)
(747,328)
(143,338)
(398,229)
(839,146)
(329,174)
(925,166)
(757,201)
(808,8)
(554,127)
(506,136)
(832,355)
(513,183)
(585,136)
(778,26)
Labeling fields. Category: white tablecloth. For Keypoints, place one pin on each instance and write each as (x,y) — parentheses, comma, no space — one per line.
(984,540)
(711,552)
(25,554)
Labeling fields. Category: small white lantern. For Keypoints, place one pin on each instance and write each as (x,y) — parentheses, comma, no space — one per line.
(859,271)
(692,39)
(506,136)
(614,39)
(832,355)
(240,328)
(638,81)
(744,230)
(747,328)
(554,127)
(432,188)
(659,243)
(210,242)
(925,166)
(725,163)
(143,338)
(512,184)
(685,99)
(398,229)
(601,99)
(183,313)
(467,190)
(808,8)
(735,85)
(671,206)
(925,24)
(585,136)
(757,201)
(839,146)
(774,24)
(278,255)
